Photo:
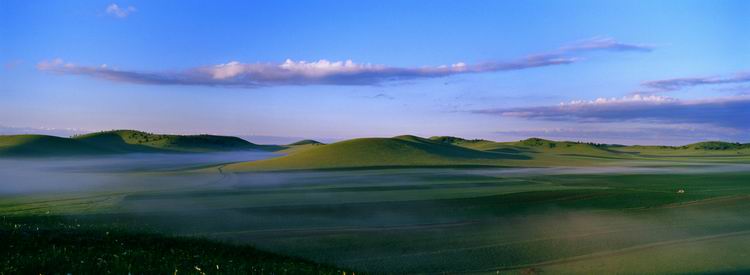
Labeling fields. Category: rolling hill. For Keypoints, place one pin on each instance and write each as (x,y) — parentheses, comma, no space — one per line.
(122,142)
(397,151)
(412,151)
(380,152)
(716,145)
(127,141)
(306,142)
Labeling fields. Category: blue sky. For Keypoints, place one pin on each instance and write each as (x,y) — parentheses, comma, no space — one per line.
(648,72)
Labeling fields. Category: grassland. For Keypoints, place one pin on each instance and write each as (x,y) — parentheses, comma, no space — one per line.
(456,220)
(56,245)
(402,205)
(123,142)
(411,151)
(38,145)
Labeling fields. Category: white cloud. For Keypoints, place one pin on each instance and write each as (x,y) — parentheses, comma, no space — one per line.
(119,12)
(321,72)
(729,112)
(637,98)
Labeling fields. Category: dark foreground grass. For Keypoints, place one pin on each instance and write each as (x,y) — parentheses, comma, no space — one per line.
(56,245)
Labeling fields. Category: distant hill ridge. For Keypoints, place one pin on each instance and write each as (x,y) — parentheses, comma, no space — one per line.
(306,142)
(716,145)
(414,151)
(119,142)
(130,140)
(399,151)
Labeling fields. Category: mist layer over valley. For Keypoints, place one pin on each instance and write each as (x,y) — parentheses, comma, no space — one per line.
(407,220)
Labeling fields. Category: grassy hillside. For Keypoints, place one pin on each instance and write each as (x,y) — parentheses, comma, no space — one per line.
(454,151)
(700,149)
(365,152)
(306,142)
(39,145)
(717,145)
(136,141)
(380,152)
(122,141)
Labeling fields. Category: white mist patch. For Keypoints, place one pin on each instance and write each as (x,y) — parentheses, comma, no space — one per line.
(50,175)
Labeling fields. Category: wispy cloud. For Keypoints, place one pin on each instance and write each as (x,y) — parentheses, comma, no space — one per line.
(383,96)
(733,112)
(674,84)
(119,12)
(605,43)
(324,72)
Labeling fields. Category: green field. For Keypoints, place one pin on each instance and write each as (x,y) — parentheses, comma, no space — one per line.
(392,205)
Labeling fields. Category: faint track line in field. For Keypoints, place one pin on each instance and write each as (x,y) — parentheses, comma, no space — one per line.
(506,242)
(342,229)
(61,200)
(89,204)
(613,252)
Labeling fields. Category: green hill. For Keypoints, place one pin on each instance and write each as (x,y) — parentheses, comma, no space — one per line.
(306,142)
(379,152)
(716,145)
(531,145)
(40,145)
(121,142)
(128,141)
(404,150)
(413,151)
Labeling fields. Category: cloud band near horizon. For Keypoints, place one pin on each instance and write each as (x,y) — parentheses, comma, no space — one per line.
(673,84)
(324,72)
(733,112)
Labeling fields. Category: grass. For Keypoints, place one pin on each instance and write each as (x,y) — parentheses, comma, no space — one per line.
(369,152)
(401,151)
(440,220)
(136,141)
(306,142)
(411,151)
(122,142)
(38,145)
(59,245)
(444,205)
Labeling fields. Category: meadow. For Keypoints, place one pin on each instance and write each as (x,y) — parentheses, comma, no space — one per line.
(376,205)
(632,218)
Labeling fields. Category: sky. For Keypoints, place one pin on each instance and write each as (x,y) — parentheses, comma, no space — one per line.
(628,72)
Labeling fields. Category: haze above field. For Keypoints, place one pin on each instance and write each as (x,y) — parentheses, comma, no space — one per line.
(627,214)
(400,151)
(374,136)
(650,72)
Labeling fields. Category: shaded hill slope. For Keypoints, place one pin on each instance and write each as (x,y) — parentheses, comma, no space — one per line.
(40,145)
(306,142)
(532,145)
(128,141)
(122,142)
(716,145)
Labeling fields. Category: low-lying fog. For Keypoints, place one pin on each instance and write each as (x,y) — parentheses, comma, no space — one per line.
(402,220)
(26,175)
(40,175)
